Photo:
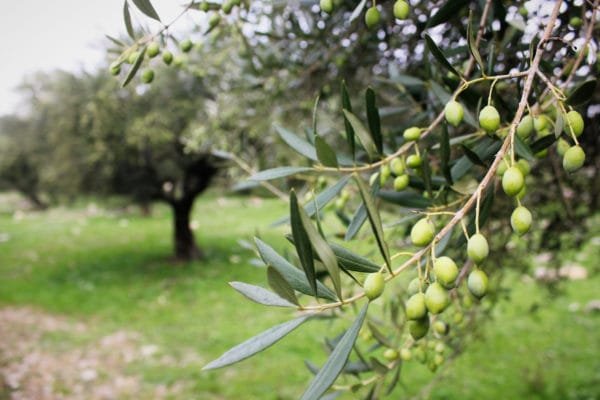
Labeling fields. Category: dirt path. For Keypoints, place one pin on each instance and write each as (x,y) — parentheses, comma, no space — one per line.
(35,364)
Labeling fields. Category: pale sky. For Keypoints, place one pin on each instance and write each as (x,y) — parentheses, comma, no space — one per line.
(59,34)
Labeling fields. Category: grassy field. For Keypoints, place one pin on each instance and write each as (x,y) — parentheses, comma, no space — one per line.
(112,271)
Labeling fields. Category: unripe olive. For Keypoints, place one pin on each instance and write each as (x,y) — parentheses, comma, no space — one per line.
(340,204)
(458,317)
(415,286)
(411,134)
(541,154)
(373,178)
(439,347)
(397,166)
(414,161)
(179,60)
(575,22)
(204,6)
(214,20)
(541,123)
(477,282)
(445,271)
(391,354)
(227,6)
(401,9)
(489,119)
(418,328)
(441,328)
(438,359)
(502,167)
(326,6)
(405,354)
(520,220)
(562,146)
(523,166)
(132,57)
(422,232)
(374,285)
(186,45)
(477,248)
(147,76)
(372,17)
(436,298)
(523,11)
(115,68)
(522,193)
(513,181)
(401,182)
(167,57)
(153,49)
(525,127)
(384,174)
(419,353)
(454,112)
(573,159)
(575,121)
(415,306)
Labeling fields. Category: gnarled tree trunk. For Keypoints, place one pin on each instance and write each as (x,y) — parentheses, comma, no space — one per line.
(183,236)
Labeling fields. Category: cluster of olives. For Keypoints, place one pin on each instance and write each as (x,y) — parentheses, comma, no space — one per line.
(398,166)
(430,353)
(401,11)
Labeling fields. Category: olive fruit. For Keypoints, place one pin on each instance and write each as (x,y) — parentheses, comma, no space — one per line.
(227,6)
(405,354)
(397,166)
(441,328)
(372,17)
(513,181)
(541,123)
(562,146)
(439,347)
(401,182)
(373,178)
(186,45)
(204,6)
(489,119)
(574,121)
(414,286)
(436,298)
(411,134)
(415,306)
(502,167)
(179,61)
(414,161)
(418,328)
(454,112)
(573,159)
(477,248)
(445,271)
(477,282)
(326,6)
(384,174)
(520,220)
(391,354)
(458,317)
(153,49)
(147,76)
(167,57)
(575,22)
(115,68)
(525,127)
(422,232)
(132,57)
(214,20)
(401,9)
(374,285)
(438,360)
(521,193)
(523,166)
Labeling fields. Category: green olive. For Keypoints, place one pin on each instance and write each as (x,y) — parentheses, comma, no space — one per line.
(524,166)
(513,181)
(411,134)
(186,45)
(153,49)
(147,76)
(562,146)
(422,232)
(391,354)
(541,123)
(477,248)
(574,121)
(415,286)
(445,271)
(415,307)
(525,127)
(573,159)
(441,328)
(418,329)
(520,220)
(227,6)
(454,112)
(326,6)
(405,354)
(436,298)
(397,166)
(401,182)
(477,283)
(384,174)
(372,17)
(115,68)
(133,57)
(489,119)
(502,167)
(401,9)
(167,57)
(214,20)
(575,22)
(414,161)
(374,285)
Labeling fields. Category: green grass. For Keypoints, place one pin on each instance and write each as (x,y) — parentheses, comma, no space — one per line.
(114,271)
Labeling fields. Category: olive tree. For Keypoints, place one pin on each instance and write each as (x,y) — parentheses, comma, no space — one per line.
(478,113)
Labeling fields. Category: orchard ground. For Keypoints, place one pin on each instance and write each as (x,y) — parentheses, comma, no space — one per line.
(91,307)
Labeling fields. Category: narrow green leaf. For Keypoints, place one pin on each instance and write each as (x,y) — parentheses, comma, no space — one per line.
(346,105)
(582,93)
(373,119)
(362,133)
(484,149)
(358,10)
(322,249)
(136,65)
(439,56)
(302,242)
(297,143)
(445,155)
(471,42)
(450,9)
(558,124)
(115,41)
(336,361)
(293,275)
(405,199)
(278,172)
(379,336)
(281,286)
(256,344)
(314,117)
(373,215)
(146,7)
(523,149)
(426,172)
(542,143)
(472,156)
(380,369)
(358,219)
(127,19)
(325,153)
(352,261)
(261,295)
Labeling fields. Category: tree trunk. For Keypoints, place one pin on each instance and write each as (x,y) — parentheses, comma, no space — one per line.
(186,248)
